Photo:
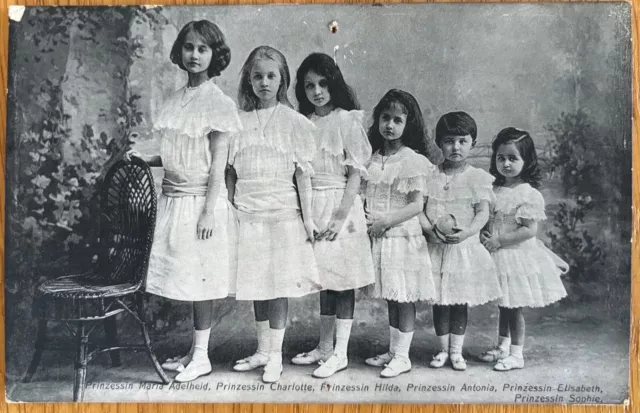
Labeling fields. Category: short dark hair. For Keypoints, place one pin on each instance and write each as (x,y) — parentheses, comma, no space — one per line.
(456,124)
(212,36)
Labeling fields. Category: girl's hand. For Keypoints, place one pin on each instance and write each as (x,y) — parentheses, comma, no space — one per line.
(378,227)
(333,228)
(131,153)
(206,224)
(311,228)
(484,235)
(490,243)
(459,235)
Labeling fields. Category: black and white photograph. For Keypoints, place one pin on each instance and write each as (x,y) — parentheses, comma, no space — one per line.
(375,203)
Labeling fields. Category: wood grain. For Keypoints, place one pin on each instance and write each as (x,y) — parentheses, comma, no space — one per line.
(303,408)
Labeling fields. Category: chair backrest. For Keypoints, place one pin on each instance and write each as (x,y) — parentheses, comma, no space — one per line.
(128,206)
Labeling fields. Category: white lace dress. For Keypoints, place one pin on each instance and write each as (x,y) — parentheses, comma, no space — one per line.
(183,267)
(529,272)
(401,256)
(464,272)
(341,141)
(275,259)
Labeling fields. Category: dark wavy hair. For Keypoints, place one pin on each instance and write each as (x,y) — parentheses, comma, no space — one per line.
(456,124)
(531,172)
(212,36)
(247,100)
(414,135)
(342,96)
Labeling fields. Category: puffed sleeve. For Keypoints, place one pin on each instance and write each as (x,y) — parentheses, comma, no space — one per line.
(530,205)
(415,173)
(354,138)
(303,143)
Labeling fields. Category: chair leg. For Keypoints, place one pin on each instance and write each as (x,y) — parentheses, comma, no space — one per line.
(80,374)
(41,339)
(147,341)
(111,333)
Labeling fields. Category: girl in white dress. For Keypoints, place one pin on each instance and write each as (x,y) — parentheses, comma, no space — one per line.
(529,272)
(342,246)
(394,194)
(269,184)
(457,209)
(191,253)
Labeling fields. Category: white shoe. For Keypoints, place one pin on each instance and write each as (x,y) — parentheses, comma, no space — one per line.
(439,360)
(330,367)
(311,357)
(396,366)
(176,363)
(493,355)
(458,362)
(252,362)
(272,370)
(196,368)
(380,360)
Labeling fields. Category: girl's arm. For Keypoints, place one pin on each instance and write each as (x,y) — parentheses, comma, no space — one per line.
(305,192)
(528,229)
(382,222)
(230,179)
(219,143)
(340,215)
(479,220)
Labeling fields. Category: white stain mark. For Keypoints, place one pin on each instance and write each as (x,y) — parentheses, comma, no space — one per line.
(304,22)
(16,12)
(150,6)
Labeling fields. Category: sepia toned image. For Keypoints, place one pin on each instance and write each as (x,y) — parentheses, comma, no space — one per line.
(319,203)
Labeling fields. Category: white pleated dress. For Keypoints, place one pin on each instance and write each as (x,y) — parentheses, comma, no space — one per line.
(464,272)
(341,141)
(181,266)
(275,258)
(401,256)
(529,272)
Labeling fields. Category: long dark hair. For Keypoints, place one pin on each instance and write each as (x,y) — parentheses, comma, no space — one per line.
(247,100)
(342,96)
(212,36)
(414,135)
(531,172)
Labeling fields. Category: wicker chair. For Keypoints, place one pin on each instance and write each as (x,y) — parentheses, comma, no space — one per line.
(113,284)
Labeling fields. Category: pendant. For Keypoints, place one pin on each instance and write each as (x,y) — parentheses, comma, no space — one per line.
(446,187)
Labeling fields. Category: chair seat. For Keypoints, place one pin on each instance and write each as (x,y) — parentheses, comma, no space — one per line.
(83,287)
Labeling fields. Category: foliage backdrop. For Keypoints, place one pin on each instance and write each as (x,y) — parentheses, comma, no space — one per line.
(85,82)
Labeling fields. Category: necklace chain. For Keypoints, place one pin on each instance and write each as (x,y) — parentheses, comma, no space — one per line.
(262,128)
(389,157)
(453,176)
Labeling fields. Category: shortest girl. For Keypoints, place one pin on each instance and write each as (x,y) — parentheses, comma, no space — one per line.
(529,273)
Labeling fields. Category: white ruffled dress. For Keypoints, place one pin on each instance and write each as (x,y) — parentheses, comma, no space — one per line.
(181,266)
(401,256)
(529,274)
(464,272)
(341,141)
(275,259)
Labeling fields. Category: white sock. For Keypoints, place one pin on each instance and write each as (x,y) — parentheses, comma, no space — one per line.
(404,343)
(504,343)
(327,326)
(201,347)
(443,343)
(276,339)
(343,331)
(456,341)
(262,327)
(393,339)
(516,351)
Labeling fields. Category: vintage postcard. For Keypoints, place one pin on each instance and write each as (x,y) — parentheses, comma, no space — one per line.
(425,203)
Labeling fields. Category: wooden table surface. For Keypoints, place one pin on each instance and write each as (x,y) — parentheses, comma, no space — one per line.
(305,408)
